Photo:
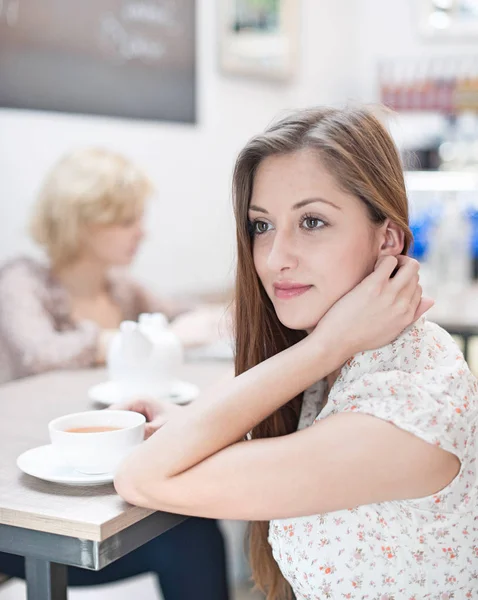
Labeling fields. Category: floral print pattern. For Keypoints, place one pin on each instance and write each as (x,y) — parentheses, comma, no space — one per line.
(415,549)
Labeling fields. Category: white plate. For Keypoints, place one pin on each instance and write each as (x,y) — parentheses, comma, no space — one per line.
(110,392)
(44,463)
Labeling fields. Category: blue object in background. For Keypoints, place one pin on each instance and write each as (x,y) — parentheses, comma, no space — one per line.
(472,214)
(420,227)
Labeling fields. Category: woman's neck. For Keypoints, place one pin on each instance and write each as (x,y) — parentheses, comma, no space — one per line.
(83,278)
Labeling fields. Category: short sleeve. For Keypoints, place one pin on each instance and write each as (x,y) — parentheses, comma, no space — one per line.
(434,406)
(440,407)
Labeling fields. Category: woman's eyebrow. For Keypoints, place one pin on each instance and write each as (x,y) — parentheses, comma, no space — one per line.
(303,203)
(258,209)
(298,205)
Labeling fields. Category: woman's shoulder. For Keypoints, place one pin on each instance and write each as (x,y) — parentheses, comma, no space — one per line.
(422,348)
(23,270)
(423,366)
(424,359)
(420,382)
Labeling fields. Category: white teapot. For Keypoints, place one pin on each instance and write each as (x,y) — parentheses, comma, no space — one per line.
(145,356)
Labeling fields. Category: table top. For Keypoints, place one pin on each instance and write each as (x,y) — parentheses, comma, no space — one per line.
(90,513)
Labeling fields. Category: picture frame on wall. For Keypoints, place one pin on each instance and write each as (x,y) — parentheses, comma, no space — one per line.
(129,59)
(259,38)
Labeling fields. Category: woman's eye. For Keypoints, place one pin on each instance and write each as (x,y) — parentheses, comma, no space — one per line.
(312,223)
(260,227)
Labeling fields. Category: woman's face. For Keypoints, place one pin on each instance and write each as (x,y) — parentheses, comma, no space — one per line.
(313,242)
(113,245)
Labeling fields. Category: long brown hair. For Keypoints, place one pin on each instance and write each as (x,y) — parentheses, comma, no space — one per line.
(357,149)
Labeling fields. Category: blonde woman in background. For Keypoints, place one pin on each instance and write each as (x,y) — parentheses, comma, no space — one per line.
(89,220)
(60,315)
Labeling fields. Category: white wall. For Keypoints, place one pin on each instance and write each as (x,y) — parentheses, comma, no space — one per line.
(191,230)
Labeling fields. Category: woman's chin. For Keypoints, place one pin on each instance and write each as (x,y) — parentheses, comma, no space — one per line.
(302,316)
(299,323)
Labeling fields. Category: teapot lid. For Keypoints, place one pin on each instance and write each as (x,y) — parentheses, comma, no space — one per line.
(156,320)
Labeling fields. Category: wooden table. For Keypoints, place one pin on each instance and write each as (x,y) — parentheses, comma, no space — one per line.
(53,525)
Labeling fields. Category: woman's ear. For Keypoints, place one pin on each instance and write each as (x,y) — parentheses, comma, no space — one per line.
(392,239)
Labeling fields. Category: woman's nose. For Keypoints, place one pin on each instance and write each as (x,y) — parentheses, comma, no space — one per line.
(282,253)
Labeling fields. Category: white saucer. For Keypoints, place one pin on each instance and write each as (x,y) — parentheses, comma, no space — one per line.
(44,463)
(110,392)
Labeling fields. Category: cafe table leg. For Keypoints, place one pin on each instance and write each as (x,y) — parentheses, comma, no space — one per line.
(45,580)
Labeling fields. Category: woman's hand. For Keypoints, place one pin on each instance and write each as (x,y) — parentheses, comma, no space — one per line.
(157,412)
(377,310)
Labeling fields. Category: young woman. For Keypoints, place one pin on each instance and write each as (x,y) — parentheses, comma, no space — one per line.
(61,315)
(379,498)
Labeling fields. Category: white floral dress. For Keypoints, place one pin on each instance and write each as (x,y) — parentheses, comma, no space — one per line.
(411,549)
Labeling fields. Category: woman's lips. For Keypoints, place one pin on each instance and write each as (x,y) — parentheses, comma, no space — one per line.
(290,291)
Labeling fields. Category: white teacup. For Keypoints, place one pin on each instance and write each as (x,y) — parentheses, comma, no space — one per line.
(96,441)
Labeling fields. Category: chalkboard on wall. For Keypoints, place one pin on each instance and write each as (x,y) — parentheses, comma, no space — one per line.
(121,58)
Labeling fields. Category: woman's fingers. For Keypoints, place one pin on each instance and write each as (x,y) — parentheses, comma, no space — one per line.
(144,407)
(135,405)
(408,269)
(149,429)
(407,283)
(384,267)
(153,426)
(425,304)
(147,408)
(414,300)
(407,292)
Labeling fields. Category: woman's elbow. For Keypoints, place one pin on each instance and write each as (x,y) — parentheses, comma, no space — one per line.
(130,487)
(150,491)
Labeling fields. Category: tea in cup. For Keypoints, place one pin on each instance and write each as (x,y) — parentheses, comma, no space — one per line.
(96,441)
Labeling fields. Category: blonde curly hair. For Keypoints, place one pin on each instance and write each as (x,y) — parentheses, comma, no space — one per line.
(87,186)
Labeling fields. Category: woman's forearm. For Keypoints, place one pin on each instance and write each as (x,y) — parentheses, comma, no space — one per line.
(231,411)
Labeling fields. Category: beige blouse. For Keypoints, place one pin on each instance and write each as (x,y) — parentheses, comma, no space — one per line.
(37,332)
